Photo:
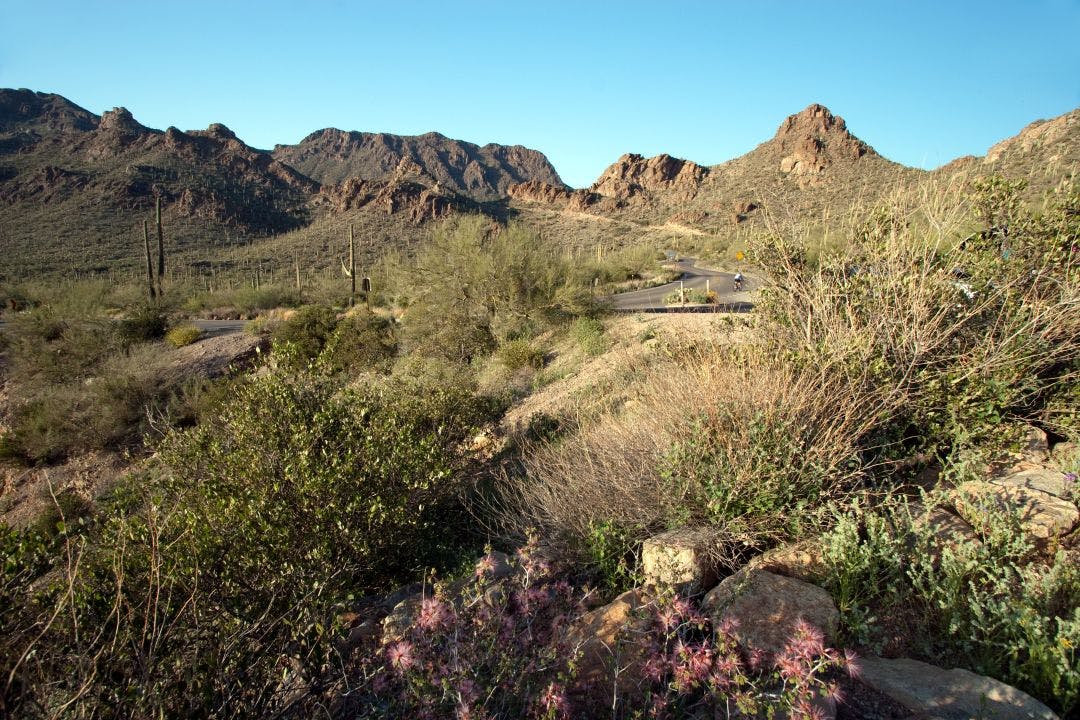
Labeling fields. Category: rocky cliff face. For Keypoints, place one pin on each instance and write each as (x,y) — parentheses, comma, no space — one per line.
(633,176)
(811,141)
(482,173)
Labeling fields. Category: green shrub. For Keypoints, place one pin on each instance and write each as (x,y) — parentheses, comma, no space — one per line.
(588,333)
(517,354)
(307,331)
(992,606)
(142,324)
(362,341)
(242,546)
(182,335)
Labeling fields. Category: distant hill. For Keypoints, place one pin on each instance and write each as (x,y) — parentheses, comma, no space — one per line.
(483,173)
(74,188)
(812,163)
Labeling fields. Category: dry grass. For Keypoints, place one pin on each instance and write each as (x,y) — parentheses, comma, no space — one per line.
(907,341)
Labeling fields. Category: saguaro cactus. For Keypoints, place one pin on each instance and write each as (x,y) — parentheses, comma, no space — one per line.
(350,271)
(149,263)
(160,248)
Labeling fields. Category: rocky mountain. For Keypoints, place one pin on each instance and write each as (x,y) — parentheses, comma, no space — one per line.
(74,186)
(482,173)
(812,162)
(1043,153)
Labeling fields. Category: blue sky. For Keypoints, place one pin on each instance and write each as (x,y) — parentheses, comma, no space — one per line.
(583,82)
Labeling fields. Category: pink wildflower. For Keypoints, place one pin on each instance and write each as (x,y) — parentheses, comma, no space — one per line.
(757,659)
(400,656)
(434,614)
(554,701)
(485,566)
(851,664)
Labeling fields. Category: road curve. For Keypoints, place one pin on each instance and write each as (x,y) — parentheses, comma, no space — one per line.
(694,278)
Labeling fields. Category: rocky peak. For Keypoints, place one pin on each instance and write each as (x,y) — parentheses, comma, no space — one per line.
(1050,136)
(813,140)
(633,175)
(120,121)
(221,132)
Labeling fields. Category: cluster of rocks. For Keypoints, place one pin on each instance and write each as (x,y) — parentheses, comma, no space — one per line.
(765,602)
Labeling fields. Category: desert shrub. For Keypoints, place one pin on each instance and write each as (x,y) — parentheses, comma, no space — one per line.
(497,282)
(143,323)
(307,331)
(106,405)
(451,335)
(520,353)
(182,335)
(588,333)
(992,606)
(611,552)
(241,545)
(361,341)
(961,332)
(766,448)
(690,296)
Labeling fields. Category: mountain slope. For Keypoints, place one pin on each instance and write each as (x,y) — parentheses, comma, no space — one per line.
(811,166)
(483,173)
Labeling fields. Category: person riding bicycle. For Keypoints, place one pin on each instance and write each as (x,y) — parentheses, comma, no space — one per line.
(738,281)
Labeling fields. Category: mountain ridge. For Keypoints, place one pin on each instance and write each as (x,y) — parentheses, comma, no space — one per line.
(68,176)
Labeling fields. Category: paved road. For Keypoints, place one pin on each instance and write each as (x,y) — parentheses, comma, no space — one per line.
(213,328)
(694,278)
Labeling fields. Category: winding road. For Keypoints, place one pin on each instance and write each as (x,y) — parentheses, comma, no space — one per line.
(647,300)
(694,278)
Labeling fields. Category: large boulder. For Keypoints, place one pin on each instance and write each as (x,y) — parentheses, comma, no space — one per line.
(679,559)
(765,609)
(1043,516)
(932,692)
(609,637)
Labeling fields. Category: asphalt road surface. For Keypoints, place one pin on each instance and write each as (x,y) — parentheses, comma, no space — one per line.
(694,278)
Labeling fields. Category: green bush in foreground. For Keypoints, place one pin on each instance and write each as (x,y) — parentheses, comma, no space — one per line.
(992,606)
(211,587)
(307,331)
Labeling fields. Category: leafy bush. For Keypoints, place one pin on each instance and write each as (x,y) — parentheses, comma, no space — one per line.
(991,605)
(517,354)
(143,323)
(182,335)
(240,547)
(307,331)
(361,341)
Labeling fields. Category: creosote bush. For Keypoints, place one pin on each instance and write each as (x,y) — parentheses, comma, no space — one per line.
(216,574)
(182,335)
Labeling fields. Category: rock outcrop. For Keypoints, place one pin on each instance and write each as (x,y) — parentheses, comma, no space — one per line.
(635,177)
(766,609)
(479,172)
(933,692)
(812,141)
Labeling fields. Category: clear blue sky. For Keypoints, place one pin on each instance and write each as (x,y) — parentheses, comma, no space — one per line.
(583,82)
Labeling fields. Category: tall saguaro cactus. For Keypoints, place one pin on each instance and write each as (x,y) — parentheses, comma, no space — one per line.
(350,271)
(160,248)
(149,263)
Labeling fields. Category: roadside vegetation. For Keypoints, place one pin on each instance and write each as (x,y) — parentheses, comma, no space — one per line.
(364,453)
